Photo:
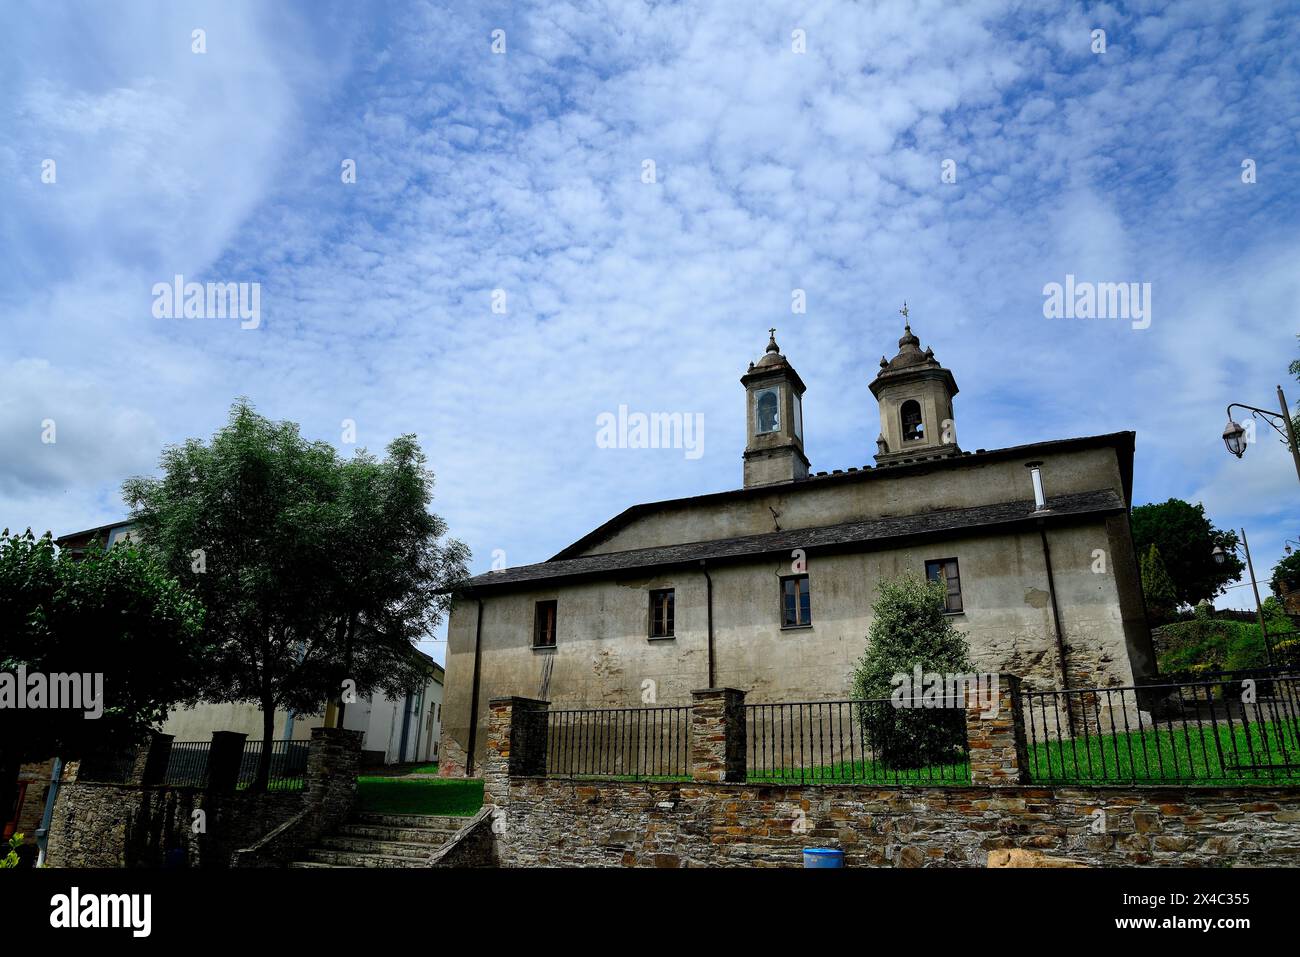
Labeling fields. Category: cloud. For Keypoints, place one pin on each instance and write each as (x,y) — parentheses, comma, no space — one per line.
(523,172)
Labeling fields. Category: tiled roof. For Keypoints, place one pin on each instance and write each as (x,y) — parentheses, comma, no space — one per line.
(847,536)
(1121,442)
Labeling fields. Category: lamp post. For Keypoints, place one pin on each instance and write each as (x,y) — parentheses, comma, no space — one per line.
(1286,546)
(1220,556)
(1234,434)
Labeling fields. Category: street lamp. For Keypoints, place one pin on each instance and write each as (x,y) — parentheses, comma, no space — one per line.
(1234,433)
(1220,556)
(1234,437)
(1286,547)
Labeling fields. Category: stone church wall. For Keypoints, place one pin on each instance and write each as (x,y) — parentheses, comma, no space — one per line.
(604,658)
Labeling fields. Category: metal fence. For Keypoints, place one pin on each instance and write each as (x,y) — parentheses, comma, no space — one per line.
(1234,728)
(632,743)
(288,764)
(864,741)
(188,764)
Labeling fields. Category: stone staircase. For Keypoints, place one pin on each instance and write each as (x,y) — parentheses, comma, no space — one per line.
(383,840)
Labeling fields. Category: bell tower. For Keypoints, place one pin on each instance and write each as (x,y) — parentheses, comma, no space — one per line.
(774,420)
(915,397)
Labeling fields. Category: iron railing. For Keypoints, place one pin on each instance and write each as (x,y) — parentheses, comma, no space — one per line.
(864,741)
(632,743)
(288,765)
(109,769)
(188,764)
(1238,728)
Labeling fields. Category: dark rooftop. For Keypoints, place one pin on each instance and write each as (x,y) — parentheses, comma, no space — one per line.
(847,536)
(1122,442)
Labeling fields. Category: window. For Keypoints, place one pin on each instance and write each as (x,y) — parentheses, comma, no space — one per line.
(796,602)
(798,417)
(945,570)
(661,613)
(544,625)
(913,427)
(767,410)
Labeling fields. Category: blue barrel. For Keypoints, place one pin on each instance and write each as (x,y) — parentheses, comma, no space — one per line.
(822,857)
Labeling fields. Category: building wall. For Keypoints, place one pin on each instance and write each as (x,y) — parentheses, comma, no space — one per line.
(378,718)
(384,728)
(34,783)
(885,494)
(603,653)
(198,723)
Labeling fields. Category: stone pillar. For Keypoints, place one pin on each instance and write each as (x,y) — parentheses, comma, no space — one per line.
(718,735)
(151,760)
(330,781)
(999,754)
(516,744)
(224,759)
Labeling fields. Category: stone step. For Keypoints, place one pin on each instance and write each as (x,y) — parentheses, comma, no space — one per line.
(312,864)
(441,822)
(353,859)
(431,837)
(366,845)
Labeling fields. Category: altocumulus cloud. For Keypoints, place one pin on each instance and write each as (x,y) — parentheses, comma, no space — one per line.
(522,173)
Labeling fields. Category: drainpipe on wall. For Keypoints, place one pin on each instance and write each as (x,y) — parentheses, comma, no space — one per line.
(709,586)
(1040,507)
(43,832)
(473,698)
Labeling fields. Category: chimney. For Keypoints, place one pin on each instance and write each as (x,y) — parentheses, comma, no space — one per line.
(1036,475)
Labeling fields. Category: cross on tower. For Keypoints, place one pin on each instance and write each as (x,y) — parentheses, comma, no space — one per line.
(903,311)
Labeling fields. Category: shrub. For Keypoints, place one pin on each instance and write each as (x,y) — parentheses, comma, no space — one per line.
(11,858)
(909,627)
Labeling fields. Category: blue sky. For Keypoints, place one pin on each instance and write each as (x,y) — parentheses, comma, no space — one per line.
(522,171)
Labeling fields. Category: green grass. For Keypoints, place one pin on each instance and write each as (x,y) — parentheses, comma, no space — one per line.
(866,772)
(278,784)
(1188,755)
(388,795)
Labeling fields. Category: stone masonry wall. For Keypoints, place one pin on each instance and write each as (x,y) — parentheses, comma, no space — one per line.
(717,820)
(137,825)
(124,825)
(550,822)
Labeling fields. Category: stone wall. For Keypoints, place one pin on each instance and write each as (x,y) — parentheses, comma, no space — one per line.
(329,796)
(474,845)
(126,825)
(550,822)
(717,820)
(146,824)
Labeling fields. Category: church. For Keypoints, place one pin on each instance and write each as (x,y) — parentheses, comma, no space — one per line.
(768,588)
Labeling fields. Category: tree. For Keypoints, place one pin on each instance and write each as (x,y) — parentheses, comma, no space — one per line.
(318,573)
(909,627)
(112,613)
(1186,541)
(1286,575)
(1157,586)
